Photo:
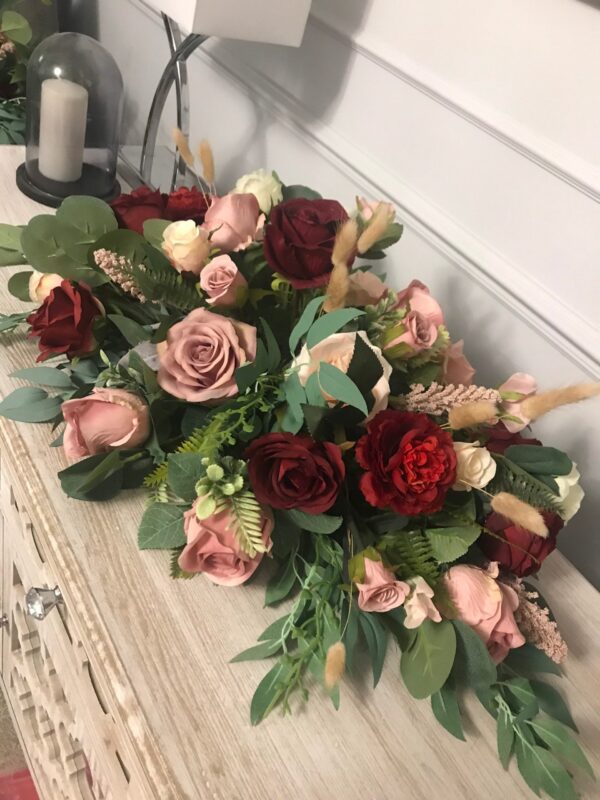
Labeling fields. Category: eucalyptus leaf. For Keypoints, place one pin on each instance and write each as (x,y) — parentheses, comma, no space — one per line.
(331,323)
(98,477)
(338,385)
(15,27)
(505,736)
(23,406)
(551,701)
(161,527)
(556,736)
(259,651)
(376,636)
(315,523)
(45,376)
(132,331)
(306,320)
(473,666)
(18,286)
(426,665)
(268,693)
(282,583)
(444,705)
(10,237)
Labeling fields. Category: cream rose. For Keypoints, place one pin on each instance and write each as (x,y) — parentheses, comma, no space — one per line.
(186,245)
(570,492)
(419,604)
(263,185)
(41,284)
(475,466)
(337,350)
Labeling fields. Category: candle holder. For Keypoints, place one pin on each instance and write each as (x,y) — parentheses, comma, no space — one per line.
(74,105)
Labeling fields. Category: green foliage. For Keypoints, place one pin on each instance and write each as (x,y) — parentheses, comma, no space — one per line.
(282,582)
(473,666)
(12,122)
(175,570)
(444,705)
(376,637)
(45,376)
(315,523)
(168,287)
(18,286)
(296,191)
(161,527)
(511,478)
(448,544)
(15,27)
(410,553)
(538,460)
(304,323)
(337,384)
(426,664)
(30,404)
(331,323)
(246,522)
(8,322)
(529,660)
(184,470)
(103,476)
(132,331)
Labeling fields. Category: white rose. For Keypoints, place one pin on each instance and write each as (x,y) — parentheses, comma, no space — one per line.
(419,605)
(475,466)
(263,185)
(41,284)
(186,245)
(338,350)
(570,492)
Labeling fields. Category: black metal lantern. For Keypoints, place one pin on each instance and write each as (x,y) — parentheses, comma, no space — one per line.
(74,104)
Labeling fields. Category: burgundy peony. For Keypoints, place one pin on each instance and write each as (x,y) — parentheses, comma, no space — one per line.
(65,320)
(187,203)
(521,552)
(299,240)
(410,463)
(132,210)
(288,471)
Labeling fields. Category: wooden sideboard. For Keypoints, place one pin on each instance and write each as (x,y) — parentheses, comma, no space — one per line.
(125,690)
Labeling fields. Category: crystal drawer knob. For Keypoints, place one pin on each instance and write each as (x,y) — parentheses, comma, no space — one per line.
(3,621)
(40,602)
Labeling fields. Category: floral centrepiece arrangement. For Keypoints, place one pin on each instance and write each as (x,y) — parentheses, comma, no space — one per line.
(288,410)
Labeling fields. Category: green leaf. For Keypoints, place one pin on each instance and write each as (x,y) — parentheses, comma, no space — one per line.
(9,322)
(528,766)
(556,736)
(293,418)
(448,544)
(45,376)
(315,523)
(282,583)
(125,243)
(153,231)
(268,693)
(364,369)
(10,258)
(527,659)
(18,286)
(551,701)
(132,331)
(338,385)
(473,666)
(92,217)
(521,690)
(505,736)
(305,321)
(30,405)
(296,191)
(275,630)
(259,651)
(273,351)
(554,778)
(445,709)
(161,527)
(376,636)
(16,28)
(183,473)
(331,323)
(10,237)
(98,477)
(426,665)
(539,460)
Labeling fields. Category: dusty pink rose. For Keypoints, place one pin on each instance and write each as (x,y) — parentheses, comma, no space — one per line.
(416,297)
(487,606)
(222,281)
(202,352)
(338,349)
(457,369)
(367,208)
(213,549)
(419,605)
(380,590)
(107,419)
(233,221)
(366,289)
(525,385)
(416,332)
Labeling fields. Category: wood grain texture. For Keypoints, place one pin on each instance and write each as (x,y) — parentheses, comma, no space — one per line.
(162,649)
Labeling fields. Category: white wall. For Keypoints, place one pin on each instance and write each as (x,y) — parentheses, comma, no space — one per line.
(479,121)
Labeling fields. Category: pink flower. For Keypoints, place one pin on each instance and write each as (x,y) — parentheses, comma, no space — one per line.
(380,590)
(520,384)
(487,606)
(416,332)
(222,281)
(418,605)
(213,549)
(366,289)
(202,352)
(107,419)
(416,297)
(457,369)
(233,221)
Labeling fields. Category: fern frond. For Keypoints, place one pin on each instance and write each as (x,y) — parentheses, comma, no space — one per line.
(514,480)
(411,554)
(247,522)
(175,570)
(167,287)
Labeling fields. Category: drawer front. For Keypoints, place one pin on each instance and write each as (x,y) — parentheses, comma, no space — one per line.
(77,749)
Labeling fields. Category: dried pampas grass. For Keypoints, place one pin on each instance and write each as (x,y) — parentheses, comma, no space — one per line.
(339,281)
(207,160)
(539,404)
(469,415)
(376,228)
(182,144)
(335,664)
(520,512)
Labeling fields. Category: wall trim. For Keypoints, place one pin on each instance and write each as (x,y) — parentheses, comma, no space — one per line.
(546,313)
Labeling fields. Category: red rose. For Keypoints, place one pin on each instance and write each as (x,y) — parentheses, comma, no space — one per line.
(501,439)
(132,210)
(410,463)
(187,204)
(65,320)
(288,471)
(521,552)
(299,240)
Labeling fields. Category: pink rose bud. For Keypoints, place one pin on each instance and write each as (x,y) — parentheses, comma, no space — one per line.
(366,289)
(380,590)
(518,384)
(107,419)
(233,221)
(457,369)
(416,297)
(223,282)
(213,549)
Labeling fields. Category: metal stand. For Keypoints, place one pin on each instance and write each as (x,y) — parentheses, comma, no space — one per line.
(174,73)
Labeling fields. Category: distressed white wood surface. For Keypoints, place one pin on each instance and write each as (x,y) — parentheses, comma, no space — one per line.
(163,648)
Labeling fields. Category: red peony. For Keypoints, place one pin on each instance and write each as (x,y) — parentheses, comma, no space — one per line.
(521,552)
(187,204)
(410,463)
(299,240)
(64,322)
(132,210)
(288,471)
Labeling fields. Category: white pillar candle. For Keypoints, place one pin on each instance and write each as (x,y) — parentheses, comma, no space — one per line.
(63,118)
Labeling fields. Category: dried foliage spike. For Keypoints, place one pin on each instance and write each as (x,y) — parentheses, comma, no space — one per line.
(536,626)
(207,160)
(470,415)
(376,228)
(438,399)
(335,664)
(520,512)
(539,404)
(183,146)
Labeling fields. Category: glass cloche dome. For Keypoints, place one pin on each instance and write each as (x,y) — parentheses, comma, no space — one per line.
(74,104)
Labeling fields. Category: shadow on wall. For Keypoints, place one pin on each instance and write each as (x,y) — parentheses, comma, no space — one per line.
(79,15)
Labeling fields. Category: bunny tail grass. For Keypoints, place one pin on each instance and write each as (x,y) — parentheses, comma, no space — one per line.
(520,512)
